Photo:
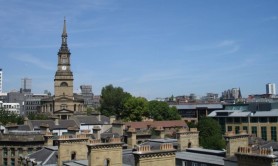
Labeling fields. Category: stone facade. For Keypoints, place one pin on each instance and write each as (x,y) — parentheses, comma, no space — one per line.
(13,145)
(105,153)
(233,141)
(72,148)
(247,157)
(188,139)
(144,156)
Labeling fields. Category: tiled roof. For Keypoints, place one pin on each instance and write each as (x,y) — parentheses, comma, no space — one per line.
(165,124)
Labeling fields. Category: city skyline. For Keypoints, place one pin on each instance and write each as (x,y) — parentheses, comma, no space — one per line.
(150,49)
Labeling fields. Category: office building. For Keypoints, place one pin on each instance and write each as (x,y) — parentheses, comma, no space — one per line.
(270,89)
(87,94)
(1,81)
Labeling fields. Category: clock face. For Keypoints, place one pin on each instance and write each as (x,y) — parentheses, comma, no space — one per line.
(64,67)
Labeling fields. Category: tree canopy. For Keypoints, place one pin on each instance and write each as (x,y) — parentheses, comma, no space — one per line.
(10,117)
(159,110)
(112,101)
(115,101)
(210,134)
(135,108)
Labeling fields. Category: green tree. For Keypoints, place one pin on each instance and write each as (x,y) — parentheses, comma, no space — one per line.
(10,117)
(89,110)
(210,134)
(159,110)
(112,101)
(37,116)
(135,108)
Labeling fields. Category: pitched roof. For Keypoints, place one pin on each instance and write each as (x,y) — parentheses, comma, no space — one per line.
(154,124)
(46,156)
(92,120)
(202,158)
(63,124)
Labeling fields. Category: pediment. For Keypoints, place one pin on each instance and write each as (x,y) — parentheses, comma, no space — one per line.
(63,111)
(64,98)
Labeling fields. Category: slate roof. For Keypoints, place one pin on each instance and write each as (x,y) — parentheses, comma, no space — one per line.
(201,158)
(154,124)
(77,163)
(128,158)
(63,124)
(92,120)
(46,156)
(194,106)
(24,128)
(244,113)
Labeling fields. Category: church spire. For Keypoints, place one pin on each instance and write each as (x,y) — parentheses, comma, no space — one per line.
(65,29)
(64,46)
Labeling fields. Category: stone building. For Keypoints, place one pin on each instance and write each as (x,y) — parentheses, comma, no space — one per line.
(14,144)
(64,103)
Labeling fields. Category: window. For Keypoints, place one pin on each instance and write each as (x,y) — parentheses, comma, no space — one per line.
(263,120)
(106,162)
(273,133)
(5,162)
(5,151)
(237,120)
(245,128)
(230,120)
(64,84)
(194,164)
(63,106)
(254,120)
(263,133)
(30,150)
(184,163)
(254,130)
(20,151)
(64,60)
(230,128)
(12,162)
(237,129)
(73,155)
(273,119)
(244,120)
(12,152)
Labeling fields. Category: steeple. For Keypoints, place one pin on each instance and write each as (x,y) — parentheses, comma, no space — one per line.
(64,46)
(65,29)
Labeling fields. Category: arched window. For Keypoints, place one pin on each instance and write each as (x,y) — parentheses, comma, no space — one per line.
(64,84)
(73,155)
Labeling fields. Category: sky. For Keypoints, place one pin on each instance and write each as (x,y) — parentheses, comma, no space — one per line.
(150,48)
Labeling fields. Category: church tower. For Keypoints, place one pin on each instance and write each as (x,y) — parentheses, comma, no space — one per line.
(63,82)
(64,103)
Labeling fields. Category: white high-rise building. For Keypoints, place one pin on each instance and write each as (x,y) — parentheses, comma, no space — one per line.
(1,81)
(270,88)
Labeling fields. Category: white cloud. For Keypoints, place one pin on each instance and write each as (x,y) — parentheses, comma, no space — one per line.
(30,59)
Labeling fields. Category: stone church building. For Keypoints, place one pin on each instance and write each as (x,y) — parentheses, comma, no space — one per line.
(64,103)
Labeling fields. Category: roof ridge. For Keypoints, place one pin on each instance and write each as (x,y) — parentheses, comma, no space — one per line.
(45,161)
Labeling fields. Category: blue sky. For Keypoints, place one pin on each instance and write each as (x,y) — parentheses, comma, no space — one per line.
(150,48)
